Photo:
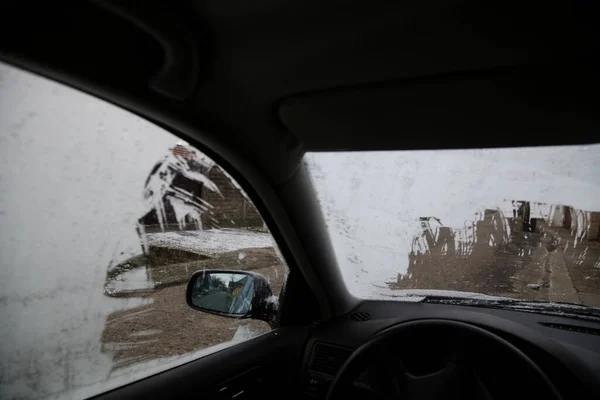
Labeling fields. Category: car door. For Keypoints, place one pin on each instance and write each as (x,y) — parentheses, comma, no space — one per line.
(104,219)
(264,367)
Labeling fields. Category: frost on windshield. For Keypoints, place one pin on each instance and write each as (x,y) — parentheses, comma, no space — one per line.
(515,223)
(103,219)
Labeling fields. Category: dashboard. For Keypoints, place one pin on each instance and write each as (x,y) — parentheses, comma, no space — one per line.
(566,349)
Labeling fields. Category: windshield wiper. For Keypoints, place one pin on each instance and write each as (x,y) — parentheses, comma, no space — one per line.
(561,309)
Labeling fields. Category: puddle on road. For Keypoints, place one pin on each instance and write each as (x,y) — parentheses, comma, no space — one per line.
(144,272)
(133,280)
(148,332)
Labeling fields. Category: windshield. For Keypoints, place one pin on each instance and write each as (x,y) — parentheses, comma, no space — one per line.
(519,223)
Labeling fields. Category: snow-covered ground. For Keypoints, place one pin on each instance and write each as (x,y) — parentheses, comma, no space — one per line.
(372,201)
(211,241)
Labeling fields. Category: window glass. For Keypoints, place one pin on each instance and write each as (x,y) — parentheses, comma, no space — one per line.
(103,218)
(515,223)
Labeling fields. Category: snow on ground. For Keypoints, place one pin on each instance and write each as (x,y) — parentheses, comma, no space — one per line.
(212,241)
(372,200)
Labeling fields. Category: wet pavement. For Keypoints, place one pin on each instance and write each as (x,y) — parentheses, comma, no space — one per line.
(167,327)
(582,260)
(543,265)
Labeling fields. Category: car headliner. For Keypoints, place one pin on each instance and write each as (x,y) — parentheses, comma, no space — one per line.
(258,83)
(276,78)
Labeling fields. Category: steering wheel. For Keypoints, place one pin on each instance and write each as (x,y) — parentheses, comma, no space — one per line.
(440,359)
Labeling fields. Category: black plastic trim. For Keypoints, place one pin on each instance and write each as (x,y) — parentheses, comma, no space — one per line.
(275,353)
(177,78)
(572,328)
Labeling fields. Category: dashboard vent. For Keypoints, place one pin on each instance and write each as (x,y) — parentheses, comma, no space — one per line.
(360,316)
(572,328)
(328,359)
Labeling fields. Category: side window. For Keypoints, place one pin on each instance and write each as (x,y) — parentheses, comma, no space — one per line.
(104,218)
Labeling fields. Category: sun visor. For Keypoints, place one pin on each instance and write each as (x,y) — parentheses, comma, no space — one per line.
(499,108)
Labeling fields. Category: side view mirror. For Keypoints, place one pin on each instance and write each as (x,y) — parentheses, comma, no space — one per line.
(232,294)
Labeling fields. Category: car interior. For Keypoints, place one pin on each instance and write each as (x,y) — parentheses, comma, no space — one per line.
(257,84)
